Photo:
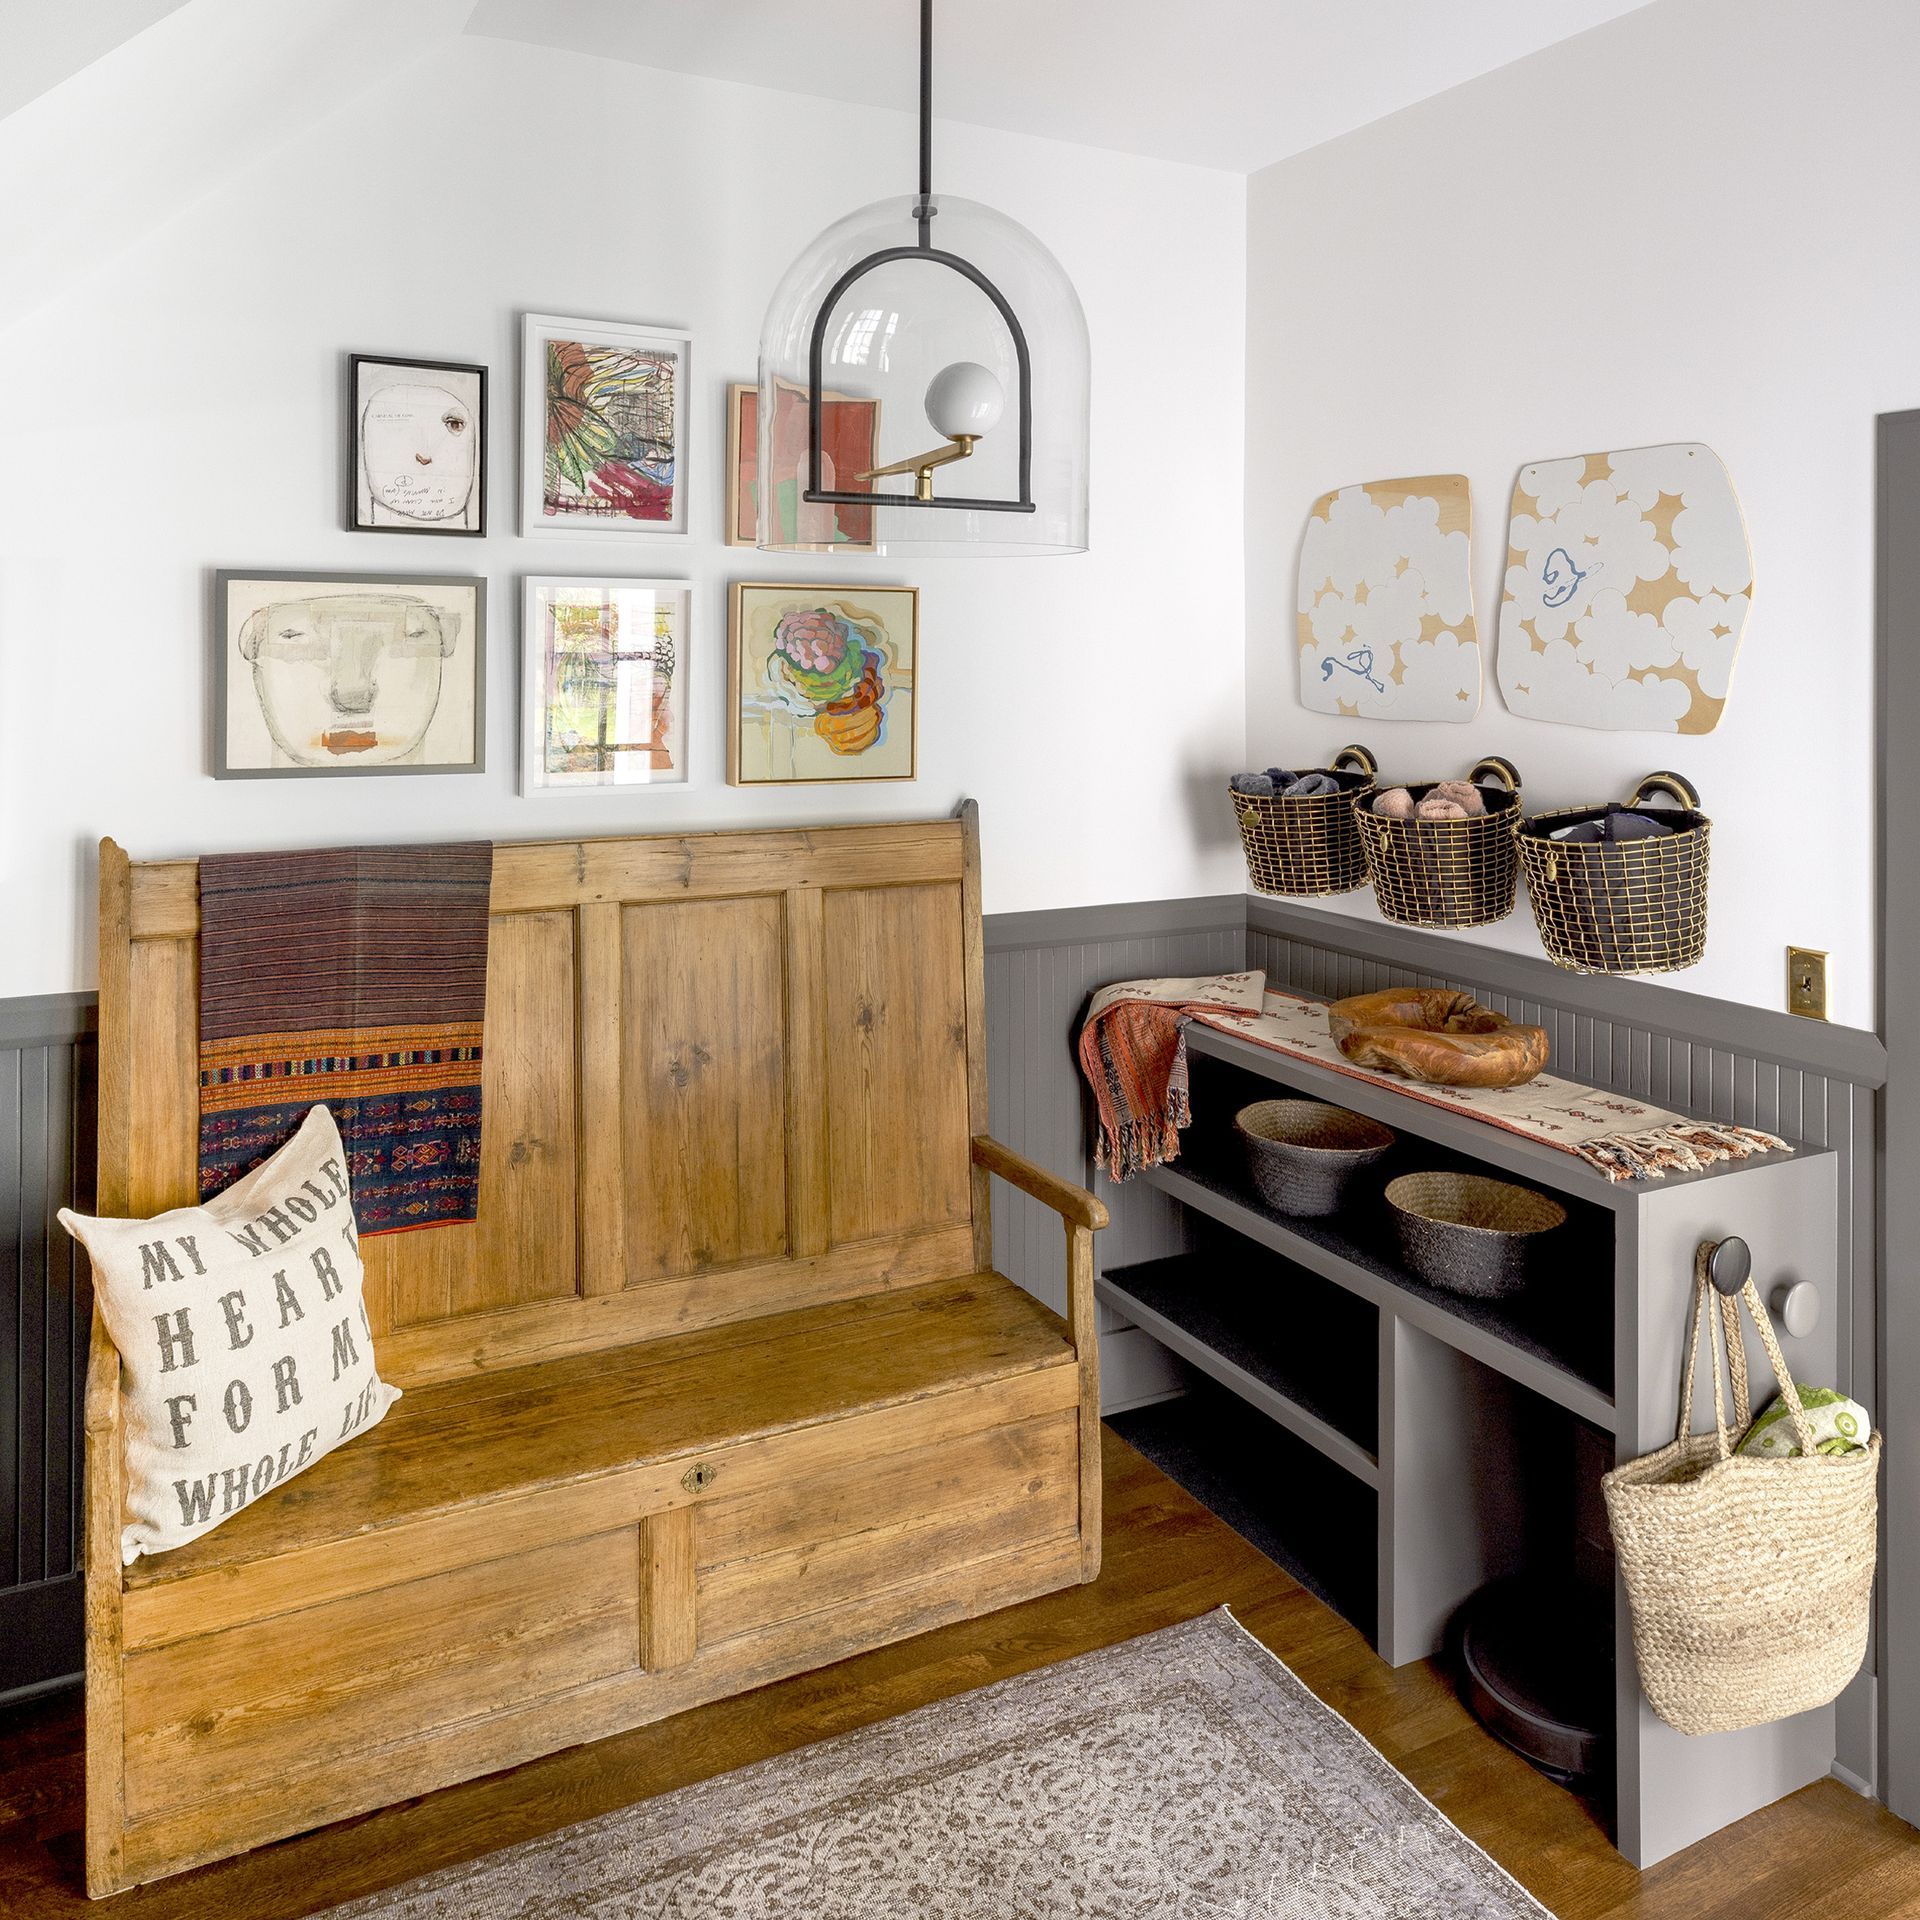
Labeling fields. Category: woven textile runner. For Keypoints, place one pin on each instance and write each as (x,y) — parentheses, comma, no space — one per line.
(356,976)
(1133,1080)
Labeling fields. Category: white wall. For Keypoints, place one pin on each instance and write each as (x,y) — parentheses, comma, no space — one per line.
(1695,223)
(179,408)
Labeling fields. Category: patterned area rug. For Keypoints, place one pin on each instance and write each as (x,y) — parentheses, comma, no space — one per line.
(1184,1776)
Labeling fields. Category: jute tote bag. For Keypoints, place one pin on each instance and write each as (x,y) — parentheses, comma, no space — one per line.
(1750,1580)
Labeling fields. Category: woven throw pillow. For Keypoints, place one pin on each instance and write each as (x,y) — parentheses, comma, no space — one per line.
(245,1353)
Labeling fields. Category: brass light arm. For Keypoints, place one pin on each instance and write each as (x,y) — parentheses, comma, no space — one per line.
(921,465)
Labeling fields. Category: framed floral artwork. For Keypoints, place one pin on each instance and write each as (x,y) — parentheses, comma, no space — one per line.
(822,684)
(849,437)
(604,684)
(604,427)
(417,446)
(347,673)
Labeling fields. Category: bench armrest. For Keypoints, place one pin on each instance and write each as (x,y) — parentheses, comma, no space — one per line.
(1073,1204)
(103,1383)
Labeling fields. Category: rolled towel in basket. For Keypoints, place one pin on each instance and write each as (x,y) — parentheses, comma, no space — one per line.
(1615,825)
(1254,783)
(1396,803)
(1436,806)
(1310,784)
(1463,793)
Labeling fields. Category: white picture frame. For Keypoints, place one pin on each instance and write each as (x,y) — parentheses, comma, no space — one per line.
(615,467)
(619,695)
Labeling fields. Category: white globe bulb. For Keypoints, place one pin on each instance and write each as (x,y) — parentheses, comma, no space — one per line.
(965,398)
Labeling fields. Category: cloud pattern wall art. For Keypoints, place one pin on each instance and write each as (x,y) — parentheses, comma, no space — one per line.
(1628,585)
(1385,609)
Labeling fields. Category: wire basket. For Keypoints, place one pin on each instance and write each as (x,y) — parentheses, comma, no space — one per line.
(1621,906)
(1447,873)
(1308,844)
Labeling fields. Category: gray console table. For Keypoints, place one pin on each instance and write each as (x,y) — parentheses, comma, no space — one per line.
(1427,1422)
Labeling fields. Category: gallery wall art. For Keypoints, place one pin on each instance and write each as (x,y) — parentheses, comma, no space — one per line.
(1628,583)
(605,425)
(822,684)
(604,691)
(330,674)
(1385,620)
(417,446)
(849,437)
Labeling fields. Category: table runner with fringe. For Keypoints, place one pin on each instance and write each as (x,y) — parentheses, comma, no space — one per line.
(356,976)
(1133,1051)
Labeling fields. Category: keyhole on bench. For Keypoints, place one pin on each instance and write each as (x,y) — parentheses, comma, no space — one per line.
(699,1479)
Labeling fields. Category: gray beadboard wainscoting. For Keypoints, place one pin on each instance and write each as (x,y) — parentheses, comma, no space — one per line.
(46,1162)
(1816,1082)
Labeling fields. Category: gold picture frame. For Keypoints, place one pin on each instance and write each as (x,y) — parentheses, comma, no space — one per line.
(822,683)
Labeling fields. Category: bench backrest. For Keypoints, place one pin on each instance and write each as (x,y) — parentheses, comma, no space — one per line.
(726,1074)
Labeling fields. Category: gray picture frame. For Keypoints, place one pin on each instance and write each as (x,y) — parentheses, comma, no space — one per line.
(219,627)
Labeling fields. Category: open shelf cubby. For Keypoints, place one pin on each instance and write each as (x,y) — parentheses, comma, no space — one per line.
(1398,1446)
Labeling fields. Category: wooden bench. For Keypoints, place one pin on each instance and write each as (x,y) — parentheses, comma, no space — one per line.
(720,1385)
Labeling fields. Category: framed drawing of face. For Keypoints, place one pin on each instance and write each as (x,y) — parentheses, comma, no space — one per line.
(417,446)
(330,674)
(603,704)
(604,429)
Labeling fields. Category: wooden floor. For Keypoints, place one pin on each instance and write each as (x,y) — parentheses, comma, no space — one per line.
(1824,1854)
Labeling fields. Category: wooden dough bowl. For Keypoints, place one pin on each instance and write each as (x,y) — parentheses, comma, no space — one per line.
(1436,1036)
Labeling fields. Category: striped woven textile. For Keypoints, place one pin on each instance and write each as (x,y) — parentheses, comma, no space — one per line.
(356,976)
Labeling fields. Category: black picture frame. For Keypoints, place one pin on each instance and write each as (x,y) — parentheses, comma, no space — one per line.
(363,516)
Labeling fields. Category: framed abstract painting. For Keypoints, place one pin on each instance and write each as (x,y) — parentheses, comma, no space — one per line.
(331,674)
(604,684)
(604,427)
(849,437)
(822,684)
(416,446)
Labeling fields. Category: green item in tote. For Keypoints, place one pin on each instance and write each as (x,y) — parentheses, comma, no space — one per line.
(1839,1425)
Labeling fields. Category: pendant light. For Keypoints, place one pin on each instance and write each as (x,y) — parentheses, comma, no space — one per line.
(923,383)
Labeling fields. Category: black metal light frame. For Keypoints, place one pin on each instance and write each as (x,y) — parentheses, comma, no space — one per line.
(924,249)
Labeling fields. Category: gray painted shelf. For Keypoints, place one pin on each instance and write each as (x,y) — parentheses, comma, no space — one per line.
(1462,1385)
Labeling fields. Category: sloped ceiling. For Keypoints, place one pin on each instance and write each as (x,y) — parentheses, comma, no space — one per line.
(1235,84)
(107,152)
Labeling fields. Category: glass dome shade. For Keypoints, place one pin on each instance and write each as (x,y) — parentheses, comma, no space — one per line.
(914,325)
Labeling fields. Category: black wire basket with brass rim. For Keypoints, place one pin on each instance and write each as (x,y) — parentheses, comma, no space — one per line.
(1447,873)
(1622,905)
(1308,844)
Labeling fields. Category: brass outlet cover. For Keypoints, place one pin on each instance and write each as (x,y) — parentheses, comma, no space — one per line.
(1807,982)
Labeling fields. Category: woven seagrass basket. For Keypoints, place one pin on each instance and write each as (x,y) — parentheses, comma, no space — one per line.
(1309,844)
(1628,906)
(1303,1155)
(1750,1580)
(1447,873)
(1468,1233)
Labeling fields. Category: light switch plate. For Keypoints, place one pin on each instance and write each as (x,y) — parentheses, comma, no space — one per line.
(1807,982)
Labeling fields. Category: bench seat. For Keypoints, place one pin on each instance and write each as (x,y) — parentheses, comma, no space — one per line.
(460,1445)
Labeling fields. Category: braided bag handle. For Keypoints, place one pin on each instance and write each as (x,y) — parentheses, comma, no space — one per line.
(1735,1362)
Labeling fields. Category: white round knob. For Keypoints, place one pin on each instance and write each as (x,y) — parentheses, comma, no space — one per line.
(965,399)
(1796,1307)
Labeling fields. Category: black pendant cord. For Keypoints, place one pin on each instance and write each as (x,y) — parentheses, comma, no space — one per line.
(924,251)
(923,211)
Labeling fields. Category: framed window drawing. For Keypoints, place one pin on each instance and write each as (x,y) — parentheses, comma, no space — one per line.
(416,446)
(605,426)
(604,684)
